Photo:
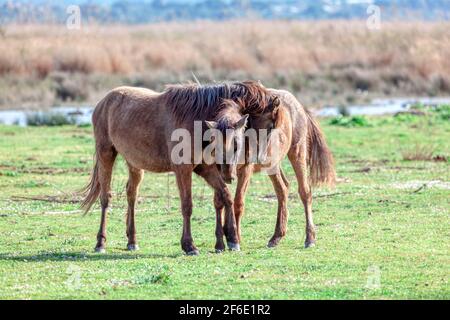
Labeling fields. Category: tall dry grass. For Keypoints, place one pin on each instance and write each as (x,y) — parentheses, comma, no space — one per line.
(408,55)
(254,47)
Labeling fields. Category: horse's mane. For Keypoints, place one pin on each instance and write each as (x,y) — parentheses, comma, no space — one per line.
(190,102)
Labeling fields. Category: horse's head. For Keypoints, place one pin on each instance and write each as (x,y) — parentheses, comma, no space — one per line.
(267,119)
(263,125)
(230,125)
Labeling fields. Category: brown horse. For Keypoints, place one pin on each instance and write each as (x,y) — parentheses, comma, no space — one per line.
(138,124)
(301,139)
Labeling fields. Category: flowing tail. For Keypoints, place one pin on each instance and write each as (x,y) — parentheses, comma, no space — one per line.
(92,191)
(320,158)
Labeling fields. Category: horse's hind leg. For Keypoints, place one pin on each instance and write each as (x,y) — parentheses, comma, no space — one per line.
(184,181)
(297,157)
(106,157)
(134,180)
(281,189)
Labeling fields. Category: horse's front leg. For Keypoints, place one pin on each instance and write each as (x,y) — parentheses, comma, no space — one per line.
(222,199)
(184,181)
(219,205)
(230,228)
(244,173)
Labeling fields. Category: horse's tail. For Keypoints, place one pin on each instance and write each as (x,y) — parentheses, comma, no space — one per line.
(320,158)
(92,191)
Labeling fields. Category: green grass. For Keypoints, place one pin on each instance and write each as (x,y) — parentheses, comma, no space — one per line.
(379,220)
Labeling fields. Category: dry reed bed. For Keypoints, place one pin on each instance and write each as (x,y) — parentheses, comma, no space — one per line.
(259,47)
(329,62)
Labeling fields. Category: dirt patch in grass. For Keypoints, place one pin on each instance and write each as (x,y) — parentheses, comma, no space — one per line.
(371,162)
(368,169)
(440,158)
(422,153)
(42,170)
(55,199)
(415,185)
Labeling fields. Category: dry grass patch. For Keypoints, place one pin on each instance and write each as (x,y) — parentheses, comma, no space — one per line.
(420,152)
(257,46)
(326,62)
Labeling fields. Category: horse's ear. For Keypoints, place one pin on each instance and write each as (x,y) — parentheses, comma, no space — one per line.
(278,117)
(211,124)
(275,106)
(242,122)
(276,103)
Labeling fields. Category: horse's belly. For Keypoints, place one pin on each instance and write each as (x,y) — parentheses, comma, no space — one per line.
(142,156)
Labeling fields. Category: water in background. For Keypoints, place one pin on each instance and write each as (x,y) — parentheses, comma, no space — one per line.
(82,115)
(79,115)
(380,107)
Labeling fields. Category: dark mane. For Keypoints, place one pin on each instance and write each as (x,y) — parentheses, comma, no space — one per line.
(190,102)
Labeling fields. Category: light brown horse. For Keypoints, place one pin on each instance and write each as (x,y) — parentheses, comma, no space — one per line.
(138,124)
(301,139)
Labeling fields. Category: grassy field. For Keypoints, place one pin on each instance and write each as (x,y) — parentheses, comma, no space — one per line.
(382,232)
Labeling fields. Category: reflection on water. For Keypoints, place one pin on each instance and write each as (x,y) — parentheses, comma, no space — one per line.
(82,115)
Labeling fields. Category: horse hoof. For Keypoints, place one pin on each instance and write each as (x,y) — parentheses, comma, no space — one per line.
(310,244)
(193,253)
(272,244)
(100,250)
(132,247)
(219,250)
(234,246)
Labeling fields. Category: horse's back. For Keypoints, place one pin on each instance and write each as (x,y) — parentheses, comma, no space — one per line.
(134,91)
(135,121)
(121,98)
(289,100)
